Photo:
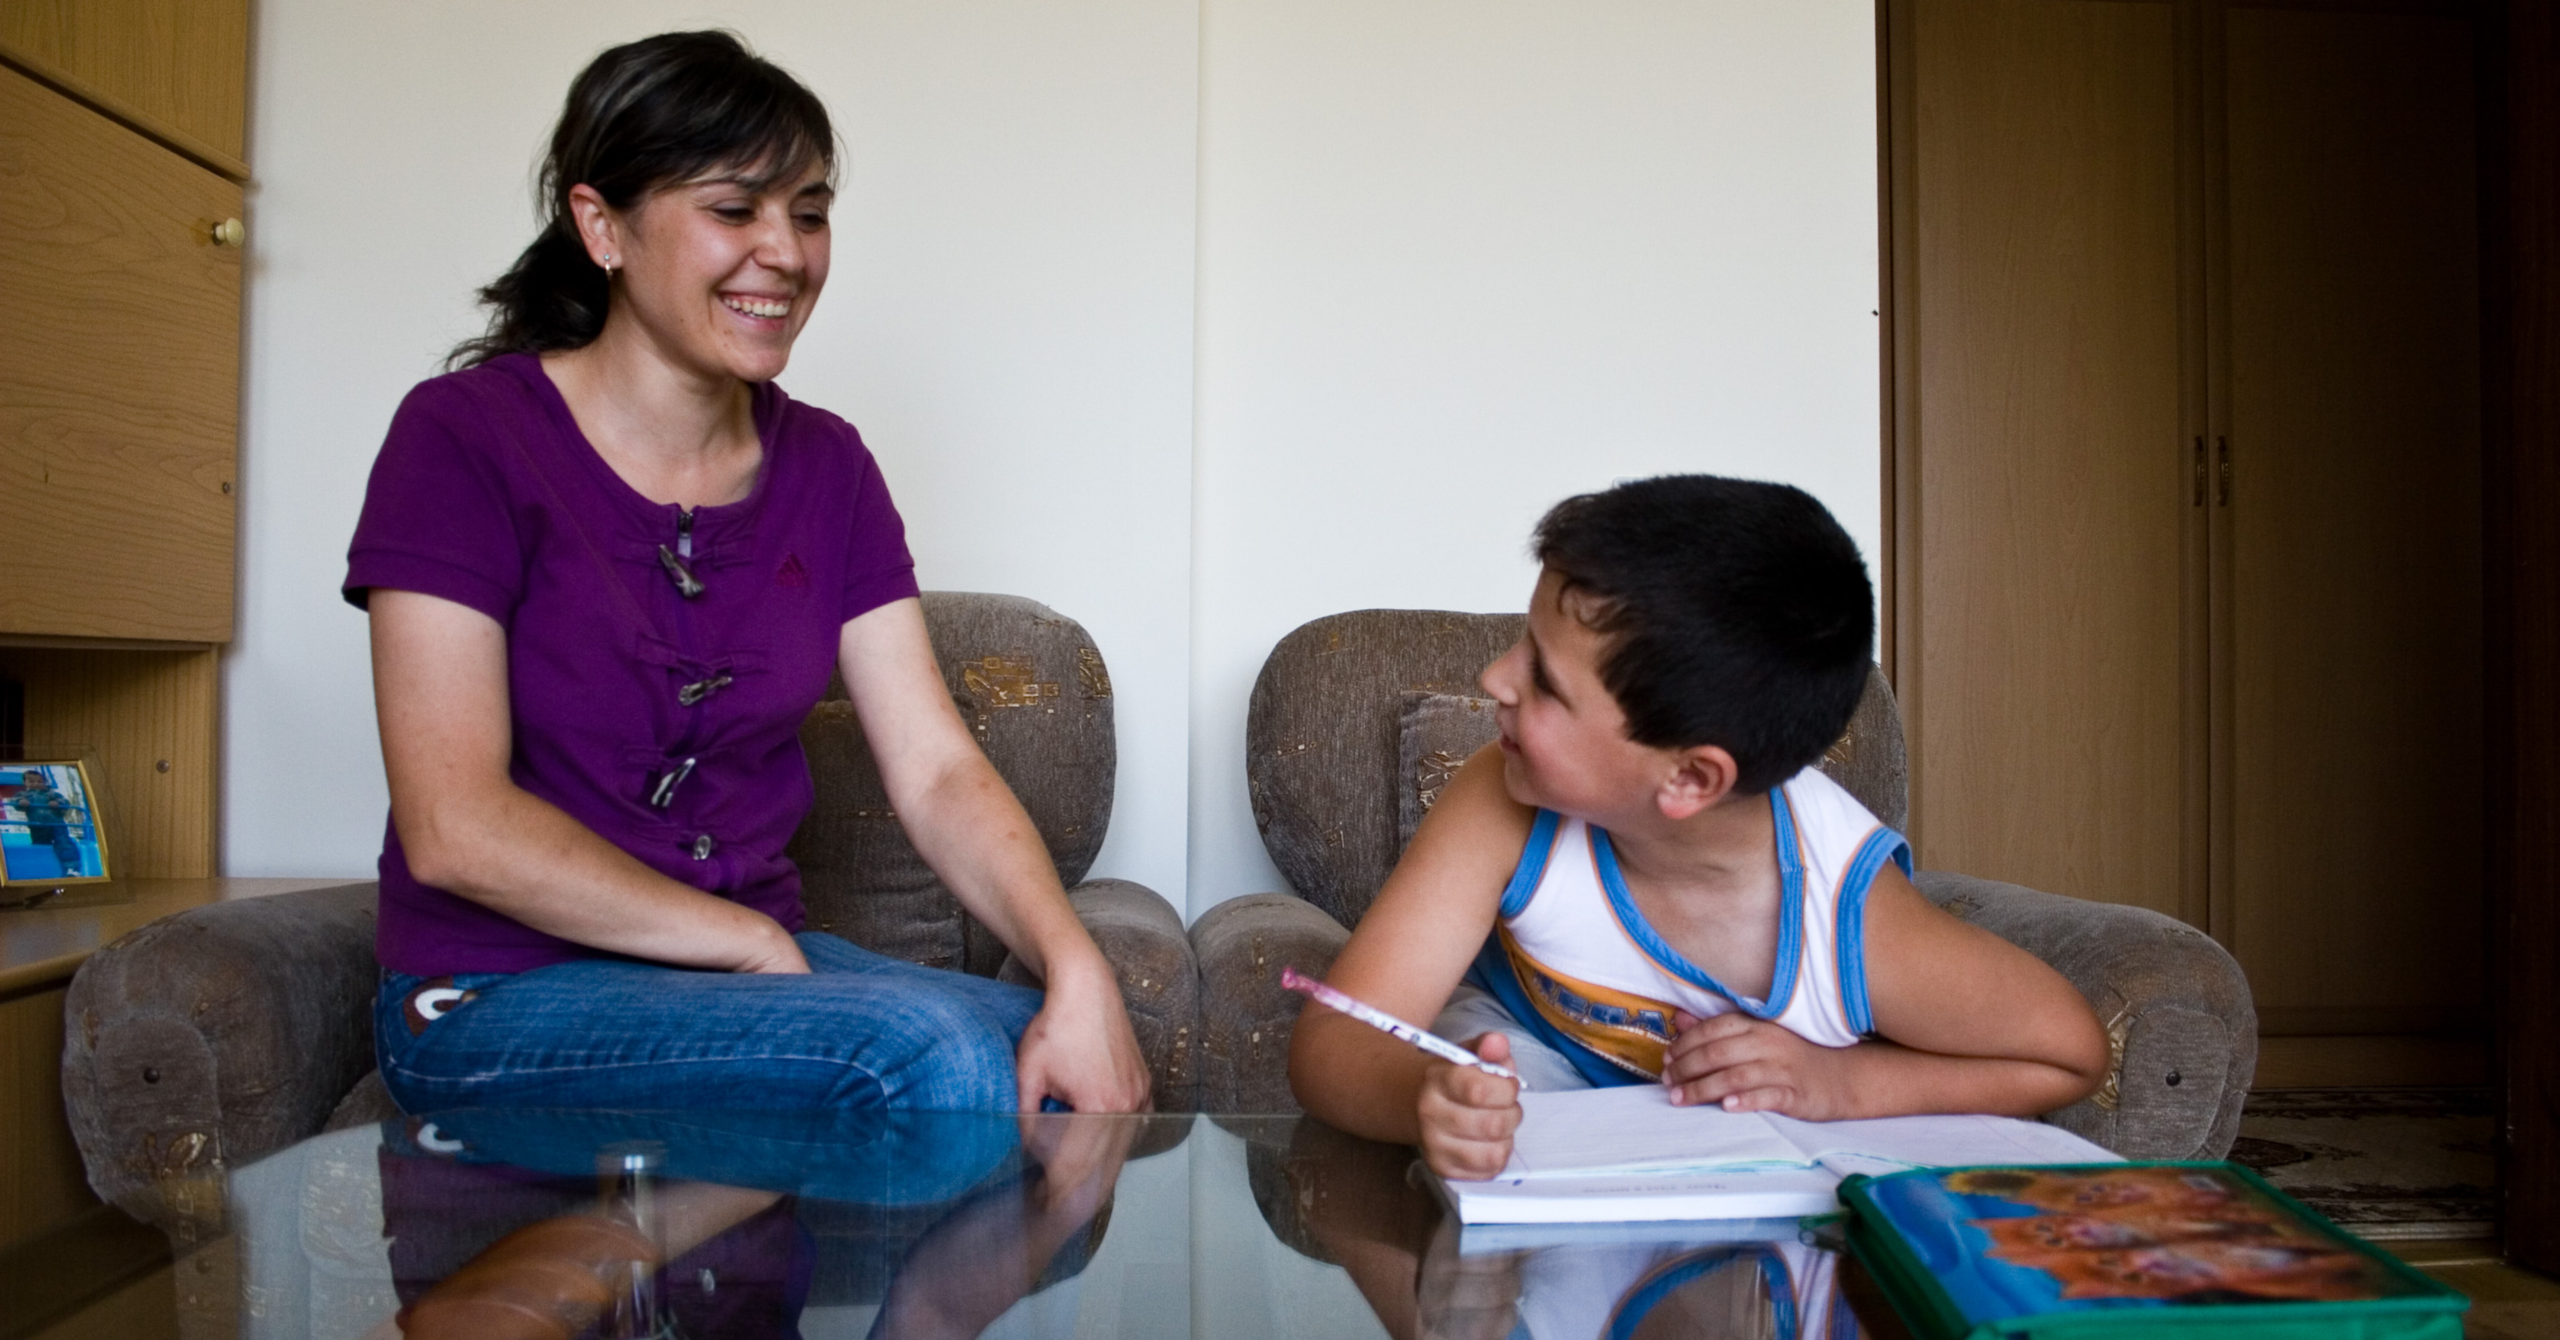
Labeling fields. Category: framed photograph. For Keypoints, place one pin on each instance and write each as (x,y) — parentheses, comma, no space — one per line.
(51,828)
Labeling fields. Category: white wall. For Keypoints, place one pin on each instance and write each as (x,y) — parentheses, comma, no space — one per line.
(1454,260)
(1008,321)
(1462,258)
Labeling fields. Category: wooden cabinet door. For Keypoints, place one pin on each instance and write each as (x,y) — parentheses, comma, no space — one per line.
(2188,477)
(119,379)
(2044,481)
(177,67)
(2354,862)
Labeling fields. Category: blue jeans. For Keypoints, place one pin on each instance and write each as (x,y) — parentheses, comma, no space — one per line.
(861,1031)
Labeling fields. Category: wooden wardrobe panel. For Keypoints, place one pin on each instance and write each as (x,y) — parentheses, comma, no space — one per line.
(119,379)
(2041,664)
(41,1182)
(177,68)
(2356,861)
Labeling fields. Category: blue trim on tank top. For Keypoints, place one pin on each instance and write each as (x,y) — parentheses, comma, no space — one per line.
(1630,1313)
(1492,974)
(1532,866)
(1782,982)
(1849,929)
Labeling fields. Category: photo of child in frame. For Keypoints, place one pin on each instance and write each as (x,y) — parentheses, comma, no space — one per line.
(49,825)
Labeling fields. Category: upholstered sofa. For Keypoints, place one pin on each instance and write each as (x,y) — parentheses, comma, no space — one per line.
(1355,721)
(209,1039)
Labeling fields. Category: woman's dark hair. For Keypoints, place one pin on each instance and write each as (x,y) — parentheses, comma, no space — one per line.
(1737,614)
(648,114)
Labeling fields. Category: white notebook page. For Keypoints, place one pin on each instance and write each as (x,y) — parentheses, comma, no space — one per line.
(1582,1132)
(1635,1129)
(1891,1144)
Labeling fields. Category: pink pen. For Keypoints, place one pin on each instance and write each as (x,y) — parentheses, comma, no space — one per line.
(1390,1025)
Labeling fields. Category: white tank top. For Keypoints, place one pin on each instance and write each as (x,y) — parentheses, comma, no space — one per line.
(1580,954)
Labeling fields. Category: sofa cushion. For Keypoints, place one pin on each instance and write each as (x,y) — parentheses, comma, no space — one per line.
(1322,739)
(1438,734)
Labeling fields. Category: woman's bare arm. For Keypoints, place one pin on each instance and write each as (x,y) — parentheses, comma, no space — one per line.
(969,827)
(440,693)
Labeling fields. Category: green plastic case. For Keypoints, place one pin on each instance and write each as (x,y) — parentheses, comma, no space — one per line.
(2424,1308)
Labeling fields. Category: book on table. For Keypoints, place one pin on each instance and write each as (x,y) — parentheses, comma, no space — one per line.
(1626,1154)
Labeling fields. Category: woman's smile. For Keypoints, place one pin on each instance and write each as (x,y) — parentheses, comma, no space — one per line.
(775,309)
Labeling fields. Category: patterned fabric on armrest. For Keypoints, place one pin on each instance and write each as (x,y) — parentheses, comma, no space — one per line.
(1436,733)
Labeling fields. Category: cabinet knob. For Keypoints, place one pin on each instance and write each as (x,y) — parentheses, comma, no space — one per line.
(230,233)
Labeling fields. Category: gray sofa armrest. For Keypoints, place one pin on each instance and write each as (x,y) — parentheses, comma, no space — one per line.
(2177,1009)
(1246,1016)
(210,1038)
(1141,935)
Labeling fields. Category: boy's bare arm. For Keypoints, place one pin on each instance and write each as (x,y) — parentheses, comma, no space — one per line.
(1407,956)
(1971,1023)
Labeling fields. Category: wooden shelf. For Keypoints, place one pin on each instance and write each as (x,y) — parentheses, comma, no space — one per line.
(41,947)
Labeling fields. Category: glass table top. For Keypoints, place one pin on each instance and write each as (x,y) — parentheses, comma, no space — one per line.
(494,1224)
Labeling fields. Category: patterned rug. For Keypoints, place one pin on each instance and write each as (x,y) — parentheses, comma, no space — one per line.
(2385,1163)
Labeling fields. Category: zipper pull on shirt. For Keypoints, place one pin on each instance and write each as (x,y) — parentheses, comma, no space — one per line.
(679,574)
(663,793)
(686,584)
(700,689)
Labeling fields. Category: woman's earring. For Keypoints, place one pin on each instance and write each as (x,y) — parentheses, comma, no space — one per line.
(608,269)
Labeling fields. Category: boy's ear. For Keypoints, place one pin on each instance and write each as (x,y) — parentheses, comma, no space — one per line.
(1700,776)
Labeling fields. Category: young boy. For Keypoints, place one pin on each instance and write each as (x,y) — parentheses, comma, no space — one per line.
(1645,879)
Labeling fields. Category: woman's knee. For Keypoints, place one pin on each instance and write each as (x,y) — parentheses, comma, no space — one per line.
(947,1055)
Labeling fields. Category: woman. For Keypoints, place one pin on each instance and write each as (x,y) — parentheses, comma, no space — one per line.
(609,566)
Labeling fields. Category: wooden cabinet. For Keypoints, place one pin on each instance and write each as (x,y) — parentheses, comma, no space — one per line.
(2186,476)
(2347,559)
(120,157)
(119,378)
(121,154)
(174,69)
(2041,655)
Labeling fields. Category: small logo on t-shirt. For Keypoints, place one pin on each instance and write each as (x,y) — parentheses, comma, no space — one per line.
(791,573)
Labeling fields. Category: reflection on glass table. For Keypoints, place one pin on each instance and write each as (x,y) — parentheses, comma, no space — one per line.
(1367,1206)
(496,1224)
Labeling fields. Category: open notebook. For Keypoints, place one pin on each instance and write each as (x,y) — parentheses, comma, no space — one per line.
(1626,1154)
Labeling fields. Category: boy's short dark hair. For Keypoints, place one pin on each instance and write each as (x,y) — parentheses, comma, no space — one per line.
(1737,614)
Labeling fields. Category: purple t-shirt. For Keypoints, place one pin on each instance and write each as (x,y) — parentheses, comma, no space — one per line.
(486,494)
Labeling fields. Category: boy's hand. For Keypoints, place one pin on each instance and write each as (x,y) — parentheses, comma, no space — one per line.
(1467,1115)
(1744,1064)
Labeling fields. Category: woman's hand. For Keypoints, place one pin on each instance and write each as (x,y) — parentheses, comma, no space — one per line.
(1468,1115)
(1079,1049)
(780,955)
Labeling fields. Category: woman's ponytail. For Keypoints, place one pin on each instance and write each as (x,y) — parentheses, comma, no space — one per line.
(553,297)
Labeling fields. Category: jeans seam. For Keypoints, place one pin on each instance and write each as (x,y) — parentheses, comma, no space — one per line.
(419,1076)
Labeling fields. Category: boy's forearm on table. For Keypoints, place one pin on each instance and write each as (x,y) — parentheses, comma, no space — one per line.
(1893,1080)
(1355,1078)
